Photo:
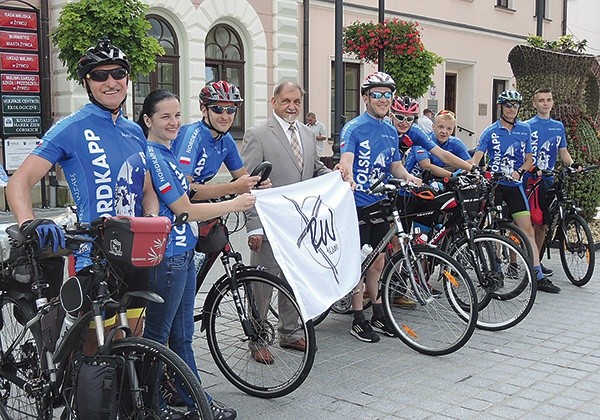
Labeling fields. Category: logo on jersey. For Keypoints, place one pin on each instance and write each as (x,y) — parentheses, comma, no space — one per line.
(165,188)
(184,160)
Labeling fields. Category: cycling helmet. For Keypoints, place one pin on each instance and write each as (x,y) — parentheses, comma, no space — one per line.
(509,96)
(103,53)
(220,91)
(377,79)
(405,105)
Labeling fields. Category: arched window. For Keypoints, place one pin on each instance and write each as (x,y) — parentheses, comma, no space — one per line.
(225,61)
(166,75)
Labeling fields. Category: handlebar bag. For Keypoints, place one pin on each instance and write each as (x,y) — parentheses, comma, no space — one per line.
(212,236)
(137,241)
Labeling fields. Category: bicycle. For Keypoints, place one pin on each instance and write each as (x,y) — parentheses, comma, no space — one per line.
(40,369)
(567,229)
(234,319)
(502,272)
(435,326)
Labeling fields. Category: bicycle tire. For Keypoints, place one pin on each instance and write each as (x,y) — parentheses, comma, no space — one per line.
(436,325)
(229,344)
(320,318)
(506,295)
(26,361)
(577,250)
(148,359)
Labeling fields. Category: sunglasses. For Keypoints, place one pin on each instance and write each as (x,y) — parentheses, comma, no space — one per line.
(102,75)
(218,109)
(511,105)
(402,118)
(379,95)
(446,112)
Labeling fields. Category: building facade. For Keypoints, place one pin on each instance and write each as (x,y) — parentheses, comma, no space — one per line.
(256,43)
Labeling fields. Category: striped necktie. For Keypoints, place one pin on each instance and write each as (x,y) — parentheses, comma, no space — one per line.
(296,145)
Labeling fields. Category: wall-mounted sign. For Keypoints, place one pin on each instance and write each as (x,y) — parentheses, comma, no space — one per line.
(19,62)
(18,41)
(16,150)
(21,125)
(20,83)
(18,19)
(17,104)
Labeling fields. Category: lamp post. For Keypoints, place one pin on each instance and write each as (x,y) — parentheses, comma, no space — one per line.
(338,109)
(381,19)
(541,6)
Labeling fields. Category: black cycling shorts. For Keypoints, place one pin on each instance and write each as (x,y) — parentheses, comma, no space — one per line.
(514,197)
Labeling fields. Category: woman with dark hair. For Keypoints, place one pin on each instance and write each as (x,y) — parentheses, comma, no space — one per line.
(172,322)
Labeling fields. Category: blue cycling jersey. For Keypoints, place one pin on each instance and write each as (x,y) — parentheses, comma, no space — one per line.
(421,138)
(374,143)
(200,155)
(170,185)
(547,137)
(506,149)
(417,154)
(103,161)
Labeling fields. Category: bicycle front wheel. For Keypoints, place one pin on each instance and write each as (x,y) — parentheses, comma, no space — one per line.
(577,251)
(274,322)
(145,362)
(439,323)
(23,365)
(503,276)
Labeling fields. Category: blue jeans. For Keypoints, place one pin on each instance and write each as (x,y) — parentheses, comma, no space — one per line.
(172,322)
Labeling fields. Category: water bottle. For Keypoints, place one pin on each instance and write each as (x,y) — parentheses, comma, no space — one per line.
(199,258)
(365,251)
(67,323)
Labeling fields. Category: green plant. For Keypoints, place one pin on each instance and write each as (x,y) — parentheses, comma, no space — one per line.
(405,56)
(564,43)
(82,23)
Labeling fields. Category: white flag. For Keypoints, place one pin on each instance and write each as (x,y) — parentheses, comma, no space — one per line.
(313,230)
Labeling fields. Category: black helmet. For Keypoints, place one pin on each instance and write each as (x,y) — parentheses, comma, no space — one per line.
(103,53)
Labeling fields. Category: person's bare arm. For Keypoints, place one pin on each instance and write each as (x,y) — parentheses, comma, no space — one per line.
(451,159)
(150,203)
(399,171)
(565,156)
(434,169)
(205,211)
(20,184)
(243,184)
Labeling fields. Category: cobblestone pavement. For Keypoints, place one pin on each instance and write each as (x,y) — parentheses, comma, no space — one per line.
(546,367)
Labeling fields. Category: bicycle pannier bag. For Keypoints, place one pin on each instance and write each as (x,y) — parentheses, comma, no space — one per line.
(212,236)
(137,241)
(97,381)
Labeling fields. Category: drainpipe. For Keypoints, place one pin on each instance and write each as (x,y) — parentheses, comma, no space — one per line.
(540,16)
(564,20)
(381,19)
(305,53)
(338,117)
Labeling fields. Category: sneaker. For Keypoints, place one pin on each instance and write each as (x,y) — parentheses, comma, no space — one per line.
(381,326)
(404,302)
(547,272)
(221,412)
(546,285)
(512,272)
(364,332)
(169,413)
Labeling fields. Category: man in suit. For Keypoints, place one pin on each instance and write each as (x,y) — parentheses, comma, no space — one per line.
(290,147)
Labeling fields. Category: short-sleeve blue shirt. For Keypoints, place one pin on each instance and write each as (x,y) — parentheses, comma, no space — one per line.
(417,154)
(170,185)
(374,143)
(200,155)
(506,149)
(104,164)
(547,137)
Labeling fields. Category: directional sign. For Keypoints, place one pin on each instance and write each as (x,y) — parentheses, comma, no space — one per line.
(17,104)
(22,125)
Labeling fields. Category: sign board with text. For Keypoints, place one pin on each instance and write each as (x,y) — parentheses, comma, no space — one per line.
(16,150)
(21,125)
(18,19)
(20,83)
(21,104)
(18,41)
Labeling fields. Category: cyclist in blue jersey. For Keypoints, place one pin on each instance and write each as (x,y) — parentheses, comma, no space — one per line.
(369,146)
(172,322)
(548,143)
(507,143)
(420,159)
(202,147)
(103,157)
